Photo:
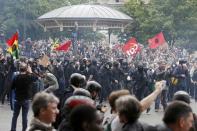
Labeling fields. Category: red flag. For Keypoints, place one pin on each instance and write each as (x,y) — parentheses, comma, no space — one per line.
(64,47)
(10,42)
(131,47)
(156,41)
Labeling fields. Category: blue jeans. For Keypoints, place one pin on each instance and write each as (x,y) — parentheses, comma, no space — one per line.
(25,108)
(12,99)
(161,98)
(182,86)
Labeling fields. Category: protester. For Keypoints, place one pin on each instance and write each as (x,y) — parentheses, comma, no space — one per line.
(81,92)
(44,106)
(105,70)
(21,84)
(76,81)
(161,74)
(50,82)
(113,124)
(70,104)
(184,97)
(178,116)
(181,73)
(90,122)
(94,88)
(129,110)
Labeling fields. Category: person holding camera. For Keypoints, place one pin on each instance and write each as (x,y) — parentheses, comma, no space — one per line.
(161,74)
(181,73)
(22,86)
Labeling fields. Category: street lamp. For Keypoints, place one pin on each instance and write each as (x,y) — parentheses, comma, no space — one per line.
(74,36)
(24,20)
(94,30)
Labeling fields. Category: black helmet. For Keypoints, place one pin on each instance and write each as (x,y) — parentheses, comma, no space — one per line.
(93,86)
(116,64)
(78,80)
(140,67)
(108,65)
(182,61)
(182,96)
(81,92)
(94,62)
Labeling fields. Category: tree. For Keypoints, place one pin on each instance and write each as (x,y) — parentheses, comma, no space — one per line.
(176,18)
(21,15)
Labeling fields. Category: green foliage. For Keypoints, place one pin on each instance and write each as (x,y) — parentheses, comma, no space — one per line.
(20,15)
(176,18)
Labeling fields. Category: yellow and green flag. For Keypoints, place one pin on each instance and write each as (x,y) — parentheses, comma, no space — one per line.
(55,44)
(12,44)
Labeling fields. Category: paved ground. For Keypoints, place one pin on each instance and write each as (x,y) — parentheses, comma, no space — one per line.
(6,115)
(156,117)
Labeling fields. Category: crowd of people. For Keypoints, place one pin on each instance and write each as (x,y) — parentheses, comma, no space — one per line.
(103,82)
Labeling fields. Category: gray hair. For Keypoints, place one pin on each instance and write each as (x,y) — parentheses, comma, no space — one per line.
(41,100)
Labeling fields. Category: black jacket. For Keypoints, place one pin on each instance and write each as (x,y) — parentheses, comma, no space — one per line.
(138,126)
(37,125)
(22,85)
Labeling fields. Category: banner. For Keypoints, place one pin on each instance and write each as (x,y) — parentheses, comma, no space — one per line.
(131,47)
(156,41)
(64,47)
(44,61)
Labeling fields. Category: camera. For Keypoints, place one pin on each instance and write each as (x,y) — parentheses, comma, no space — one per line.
(182,61)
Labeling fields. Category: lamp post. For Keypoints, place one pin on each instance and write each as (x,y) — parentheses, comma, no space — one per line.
(24,20)
(74,38)
(94,30)
(109,35)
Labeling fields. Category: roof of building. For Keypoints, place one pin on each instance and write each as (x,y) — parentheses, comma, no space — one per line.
(85,12)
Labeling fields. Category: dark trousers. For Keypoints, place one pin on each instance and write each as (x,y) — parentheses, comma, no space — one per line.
(25,108)
(195,91)
(140,92)
(104,93)
(161,98)
(1,84)
(12,99)
(171,91)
